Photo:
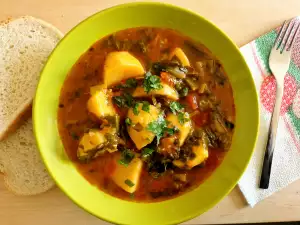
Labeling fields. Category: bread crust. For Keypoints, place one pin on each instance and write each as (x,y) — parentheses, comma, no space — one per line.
(18,121)
(20,162)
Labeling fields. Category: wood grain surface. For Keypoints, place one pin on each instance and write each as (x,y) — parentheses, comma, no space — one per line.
(243,21)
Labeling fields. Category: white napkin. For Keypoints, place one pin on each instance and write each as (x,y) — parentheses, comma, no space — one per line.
(286,160)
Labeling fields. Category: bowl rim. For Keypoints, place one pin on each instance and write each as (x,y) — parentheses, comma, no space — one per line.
(124,5)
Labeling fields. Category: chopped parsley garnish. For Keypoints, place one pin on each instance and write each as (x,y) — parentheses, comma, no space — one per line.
(183,117)
(128,121)
(146,152)
(159,127)
(136,109)
(146,106)
(129,183)
(151,82)
(125,100)
(126,157)
(129,83)
(176,107)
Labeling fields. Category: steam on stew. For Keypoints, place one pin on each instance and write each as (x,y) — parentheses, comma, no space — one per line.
(146,114)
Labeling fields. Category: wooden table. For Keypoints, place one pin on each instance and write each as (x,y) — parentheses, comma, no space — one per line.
(242,20)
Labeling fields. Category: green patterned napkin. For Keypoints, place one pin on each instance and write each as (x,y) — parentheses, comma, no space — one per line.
(286,161)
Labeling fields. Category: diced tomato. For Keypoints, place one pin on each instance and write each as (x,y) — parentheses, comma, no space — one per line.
(167,78)
(201,118)
(192,101)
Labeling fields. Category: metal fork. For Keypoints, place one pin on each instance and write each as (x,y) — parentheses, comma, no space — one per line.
(279,61)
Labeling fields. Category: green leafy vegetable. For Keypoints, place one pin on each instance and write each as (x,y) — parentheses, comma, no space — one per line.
(126,157)
(176,107)
(129,183)
(146,106)
(146,152)
(119,101)
(159,128)
(129,83)
(184,92)
(183,117)
(151,82)
(135,109)
(129,101)
(170,131)
(125,100)
(128,121)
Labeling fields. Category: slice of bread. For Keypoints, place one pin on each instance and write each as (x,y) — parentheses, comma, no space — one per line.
(24,171)
(25,44)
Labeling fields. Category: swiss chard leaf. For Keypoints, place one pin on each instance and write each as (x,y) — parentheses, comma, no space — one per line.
(184,92)
(125,100)
(129,83)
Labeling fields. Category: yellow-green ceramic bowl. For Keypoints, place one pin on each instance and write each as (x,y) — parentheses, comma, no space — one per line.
(89,197)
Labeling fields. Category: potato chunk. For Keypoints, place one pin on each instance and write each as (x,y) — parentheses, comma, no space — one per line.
(138,129)
(127,177)
(120,66)
(201,154)
(100,104)
(180,55)
(88,144)
(96,142)
(184,129)
(166,91)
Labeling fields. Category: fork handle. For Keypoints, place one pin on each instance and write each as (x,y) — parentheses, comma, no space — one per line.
(267,164)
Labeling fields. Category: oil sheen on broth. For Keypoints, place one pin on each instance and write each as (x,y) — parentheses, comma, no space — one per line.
(146,114)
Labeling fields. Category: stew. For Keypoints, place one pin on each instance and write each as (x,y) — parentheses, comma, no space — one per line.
(146,114)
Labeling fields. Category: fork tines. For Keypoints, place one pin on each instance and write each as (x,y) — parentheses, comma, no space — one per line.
(286,36)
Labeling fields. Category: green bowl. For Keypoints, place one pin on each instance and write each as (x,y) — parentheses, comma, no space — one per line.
(89,197)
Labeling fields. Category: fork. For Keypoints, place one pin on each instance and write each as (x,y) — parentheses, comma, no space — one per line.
(279,61)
